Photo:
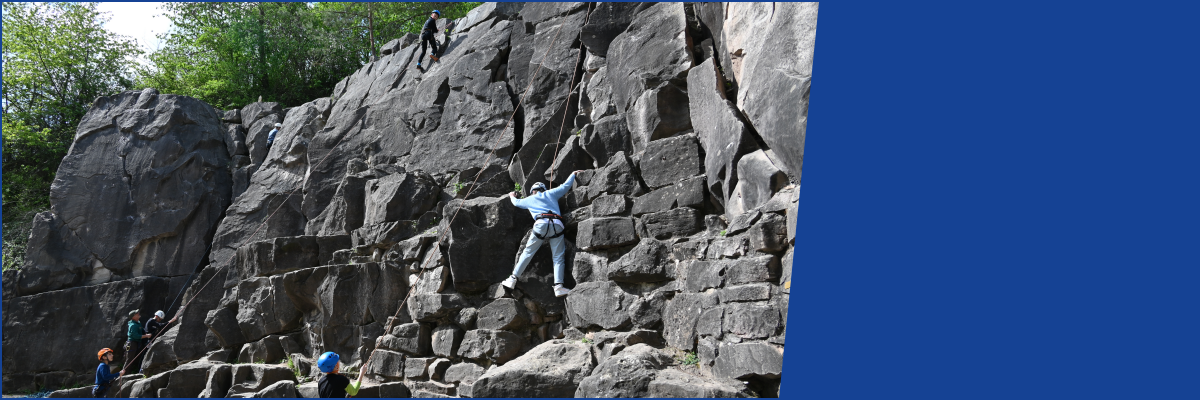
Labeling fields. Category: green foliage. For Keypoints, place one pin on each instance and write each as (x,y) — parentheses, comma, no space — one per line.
(295,369)
(689,358)
(57,59)
(517,187)
(229,54)
(458,187)
(723,232)
(585,340)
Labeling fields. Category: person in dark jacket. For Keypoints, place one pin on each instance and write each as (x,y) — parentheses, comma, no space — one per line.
(333,384)
(104,374)
(135,339)
(427,32)
(155,325)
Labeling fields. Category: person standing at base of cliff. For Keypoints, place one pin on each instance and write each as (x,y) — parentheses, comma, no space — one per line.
(333,384)
(155,325)
(547,225)
(427,32)
(135,340)
(104,374)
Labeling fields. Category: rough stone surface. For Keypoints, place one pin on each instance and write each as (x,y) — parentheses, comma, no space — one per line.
(602,304)
(552,369)
(774,89)
(497,346)
(608,232)
(139,193)
(740,361)
(685,206)
(626,374)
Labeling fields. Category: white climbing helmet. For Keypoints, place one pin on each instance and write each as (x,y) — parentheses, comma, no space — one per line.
(278,125)
(537,187)
(160,314)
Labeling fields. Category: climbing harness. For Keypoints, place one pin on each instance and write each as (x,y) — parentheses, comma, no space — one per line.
(551,217)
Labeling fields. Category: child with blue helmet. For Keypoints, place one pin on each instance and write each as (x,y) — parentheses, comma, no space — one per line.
(333,384)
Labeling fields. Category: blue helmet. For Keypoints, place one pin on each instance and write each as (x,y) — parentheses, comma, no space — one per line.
(439,13)
(327,362)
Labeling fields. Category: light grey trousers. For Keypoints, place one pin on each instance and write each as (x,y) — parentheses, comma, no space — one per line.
(546,229)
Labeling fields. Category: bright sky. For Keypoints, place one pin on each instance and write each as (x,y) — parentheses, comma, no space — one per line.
(140,21)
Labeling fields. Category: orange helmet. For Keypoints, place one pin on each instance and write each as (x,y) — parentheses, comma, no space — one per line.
(100,355)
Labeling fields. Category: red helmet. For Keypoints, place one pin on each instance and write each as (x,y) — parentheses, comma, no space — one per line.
(100,355)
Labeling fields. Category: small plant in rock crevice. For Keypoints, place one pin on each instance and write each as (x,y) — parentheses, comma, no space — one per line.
(689,358)
(723,232)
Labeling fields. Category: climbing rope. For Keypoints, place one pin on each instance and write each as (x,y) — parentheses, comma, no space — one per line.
(567,106)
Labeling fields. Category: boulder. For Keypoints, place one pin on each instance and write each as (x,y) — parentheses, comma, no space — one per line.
(719,126)
(607,20)
(412,338)
(602,304)
(769,234)
(264,309)
(685,193)
(656,114)
(465,373)
(619,176)
(437,369)
(674,223)
(753,269)
(671,160)
(446,339)
(744,293)
(279,389)
(417,367)
(680,318)
(386,364)
(608,232)
(606,136)
(626,374)
(773,89)
(251,378)
(646,311)
(649,261)
(429,307)
(399,197)
(747,360)
(502,314)
(81,392)
(139,194)
(674,383)
(552,369)
(484,236)
(609,205)
(394,390)
(751,320)
(497,346)
(661,31)
(758,182)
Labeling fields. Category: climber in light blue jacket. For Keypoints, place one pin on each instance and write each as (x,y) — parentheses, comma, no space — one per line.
(547,225)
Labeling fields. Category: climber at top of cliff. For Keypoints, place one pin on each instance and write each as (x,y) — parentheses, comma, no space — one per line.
(271,135)
(543,204)
(427,32)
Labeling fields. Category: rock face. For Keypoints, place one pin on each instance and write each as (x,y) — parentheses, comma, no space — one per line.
(139,194)
(376,225)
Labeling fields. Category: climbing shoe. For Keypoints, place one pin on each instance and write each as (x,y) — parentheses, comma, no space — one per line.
(560,291)
(510,283)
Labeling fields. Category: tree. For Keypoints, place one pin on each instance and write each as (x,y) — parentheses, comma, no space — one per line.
(57,59)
